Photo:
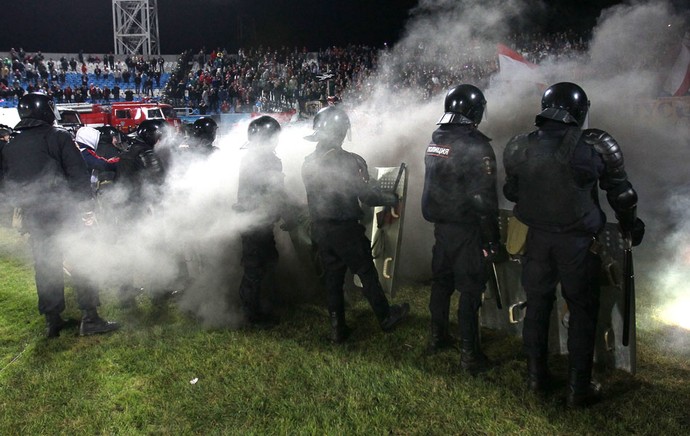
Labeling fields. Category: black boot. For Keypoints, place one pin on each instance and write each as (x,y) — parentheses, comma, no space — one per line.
(93,324)
(538,379)
(339,329)
(440,339)
(55,324)
(472,359)
(396,314)
(582,390)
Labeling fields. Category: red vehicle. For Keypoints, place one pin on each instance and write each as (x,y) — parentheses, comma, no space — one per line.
(125,116)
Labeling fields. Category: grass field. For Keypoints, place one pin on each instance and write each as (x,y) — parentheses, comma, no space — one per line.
(291,380)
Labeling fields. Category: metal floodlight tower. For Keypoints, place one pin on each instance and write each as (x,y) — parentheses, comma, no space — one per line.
(135,27)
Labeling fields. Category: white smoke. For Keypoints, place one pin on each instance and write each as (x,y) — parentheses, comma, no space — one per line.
(621,73)
(195,222)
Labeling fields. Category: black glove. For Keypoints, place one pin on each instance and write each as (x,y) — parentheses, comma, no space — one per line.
(389,198)
(495,252)
(637,232)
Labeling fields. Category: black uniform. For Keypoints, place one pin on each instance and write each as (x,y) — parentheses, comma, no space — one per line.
(261,193)
(552,175)
(44,173)
(460,199)
(336,181)
(140,174)
(140,169)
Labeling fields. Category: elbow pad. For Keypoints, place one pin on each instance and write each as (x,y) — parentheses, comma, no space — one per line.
(626,199)
(624,203)
(483,205)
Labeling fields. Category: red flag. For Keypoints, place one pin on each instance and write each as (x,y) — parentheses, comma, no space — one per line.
(513,67)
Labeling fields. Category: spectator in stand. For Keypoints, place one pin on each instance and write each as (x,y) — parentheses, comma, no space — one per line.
(116,92)
(137,82)
(97,72)
(149,85)
(129,95)
(68,94)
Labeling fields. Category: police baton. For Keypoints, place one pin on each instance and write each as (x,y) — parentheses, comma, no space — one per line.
(497,286)
(628,288)
(397,179)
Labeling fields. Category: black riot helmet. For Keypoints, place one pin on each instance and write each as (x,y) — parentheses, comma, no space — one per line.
(464,104)
(5,131)
(263,130)
(564,102)
(37,106)
(330,124)
(204,129)
(111,135)
(150,131)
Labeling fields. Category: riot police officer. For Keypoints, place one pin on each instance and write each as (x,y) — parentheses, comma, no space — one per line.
(260,193)
(336,181)
(204,133)
(140,174)
(140,164)
(44,174)
(552,175)
(110,143)
(460,198)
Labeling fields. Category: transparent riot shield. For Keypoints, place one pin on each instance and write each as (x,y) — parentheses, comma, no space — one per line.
(609,349)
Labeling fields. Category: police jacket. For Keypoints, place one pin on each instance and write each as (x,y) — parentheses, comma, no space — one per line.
(336,181)
(460,179)
(43,170)
(261,187)
(552,175)
(139,168)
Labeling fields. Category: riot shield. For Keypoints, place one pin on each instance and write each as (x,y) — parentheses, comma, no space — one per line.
(384,229)
(609,349)
(384,226)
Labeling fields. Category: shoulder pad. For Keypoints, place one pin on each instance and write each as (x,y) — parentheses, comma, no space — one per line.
(518,140)
(63,131)
(605,145)
(362,165)
(478,134)
(515,146)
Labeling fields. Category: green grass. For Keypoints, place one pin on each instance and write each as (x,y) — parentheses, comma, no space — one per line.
(292,380)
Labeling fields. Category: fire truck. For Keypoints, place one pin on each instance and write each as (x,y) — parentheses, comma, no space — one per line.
(125,116)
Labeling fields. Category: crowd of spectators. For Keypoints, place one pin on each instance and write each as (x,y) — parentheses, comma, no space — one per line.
(265,79)
(279,79)
(80,78)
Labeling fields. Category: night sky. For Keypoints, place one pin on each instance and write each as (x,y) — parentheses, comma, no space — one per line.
(70,26)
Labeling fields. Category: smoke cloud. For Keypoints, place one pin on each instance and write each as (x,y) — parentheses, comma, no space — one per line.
(194,224)
(622,72)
